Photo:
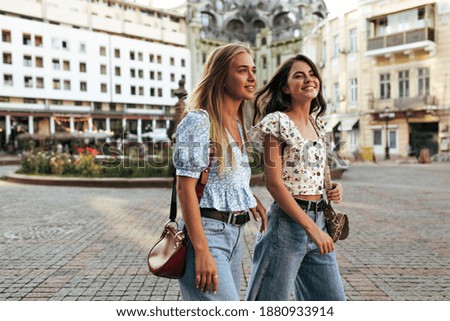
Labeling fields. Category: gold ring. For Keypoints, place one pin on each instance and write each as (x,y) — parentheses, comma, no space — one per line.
(215,276)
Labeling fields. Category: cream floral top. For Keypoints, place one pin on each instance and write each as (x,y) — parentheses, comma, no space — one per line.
(303,159)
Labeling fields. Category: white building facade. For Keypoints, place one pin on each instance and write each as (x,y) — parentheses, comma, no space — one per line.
(92,67)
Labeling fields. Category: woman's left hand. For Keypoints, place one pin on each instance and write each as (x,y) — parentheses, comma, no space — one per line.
(335,194)
(259,213)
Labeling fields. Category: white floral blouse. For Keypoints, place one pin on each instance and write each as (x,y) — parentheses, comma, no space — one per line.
(303,159)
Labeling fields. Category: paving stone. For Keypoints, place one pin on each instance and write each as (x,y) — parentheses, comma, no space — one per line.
(90,244)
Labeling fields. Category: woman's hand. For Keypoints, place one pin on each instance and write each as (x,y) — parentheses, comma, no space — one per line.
(206,272)
(259,213)
(323,241)
(336,193)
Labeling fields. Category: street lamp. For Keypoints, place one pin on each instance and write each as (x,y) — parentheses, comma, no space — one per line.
(387,115)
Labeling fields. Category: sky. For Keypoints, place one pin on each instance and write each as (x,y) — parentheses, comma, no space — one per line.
(334,6)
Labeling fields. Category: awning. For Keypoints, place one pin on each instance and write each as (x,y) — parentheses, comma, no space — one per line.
(348,123)
(331,123)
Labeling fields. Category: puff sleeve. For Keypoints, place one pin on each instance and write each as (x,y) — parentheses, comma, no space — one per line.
(191,156)
(274,124)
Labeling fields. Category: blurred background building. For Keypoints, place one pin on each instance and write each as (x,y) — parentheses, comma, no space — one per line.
(386,76)
(108,67)
(96,68)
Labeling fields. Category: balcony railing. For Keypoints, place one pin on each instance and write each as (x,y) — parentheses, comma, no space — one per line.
(401,38)
(414,102)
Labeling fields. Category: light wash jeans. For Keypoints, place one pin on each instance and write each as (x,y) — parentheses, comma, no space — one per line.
(286,259)
(225,245)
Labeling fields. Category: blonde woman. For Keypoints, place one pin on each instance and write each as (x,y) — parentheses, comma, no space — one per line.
(215,223)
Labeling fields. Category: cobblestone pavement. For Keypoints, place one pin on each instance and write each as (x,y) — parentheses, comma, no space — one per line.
(68,243)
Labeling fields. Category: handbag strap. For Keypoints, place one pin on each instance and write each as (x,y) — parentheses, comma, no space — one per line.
(327,175)
(173,201)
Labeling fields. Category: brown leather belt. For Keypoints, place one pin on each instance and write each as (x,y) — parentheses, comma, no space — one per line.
(237,218)
(316,206)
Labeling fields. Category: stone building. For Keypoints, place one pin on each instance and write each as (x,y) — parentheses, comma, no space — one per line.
(386,76)
(275,28)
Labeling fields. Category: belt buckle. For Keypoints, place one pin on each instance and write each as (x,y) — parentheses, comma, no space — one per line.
(312,205)
(234,216)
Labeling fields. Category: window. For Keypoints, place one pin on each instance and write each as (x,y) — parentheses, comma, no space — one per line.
(335,46)
(392,139)
(26,39)
(264,62)
(152,58)
(55,64)
(8,80)
(82,67)
(6,36)
(335,96)
(152,75)
(172,77)
(102,51)
(27,61)
(66,84)
(29,100)
(38,41)
(66,65)
(403,83)
(118,89)
(39,82)
(353,40)
(152,92)
(103,69)
(159,75)
(353,91)
(103,88)
(183,63)
(28,80)
(141,73)
(423,81)
(39,62)
(117,53)
(7,58)
(82,48)
(324,52)
(133,90)
(117,71)
(377,137)
(172,61)
(385,86)
(83,86)
(132,73)
(56,84)
(141,91)
(65,44)
(140,56)
(158,59)
(160,92)
(131,55)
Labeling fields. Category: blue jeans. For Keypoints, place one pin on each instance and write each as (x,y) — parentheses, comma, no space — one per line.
(225,245)
(286,259)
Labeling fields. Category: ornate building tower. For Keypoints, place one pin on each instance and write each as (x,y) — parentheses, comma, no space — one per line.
(274,27)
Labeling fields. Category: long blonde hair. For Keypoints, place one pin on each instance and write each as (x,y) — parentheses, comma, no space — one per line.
(208,93)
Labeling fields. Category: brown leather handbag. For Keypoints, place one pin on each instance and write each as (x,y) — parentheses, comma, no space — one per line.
(167,258)
(336,221)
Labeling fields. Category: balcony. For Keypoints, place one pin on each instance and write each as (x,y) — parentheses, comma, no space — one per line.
(398,42)
(411,103)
